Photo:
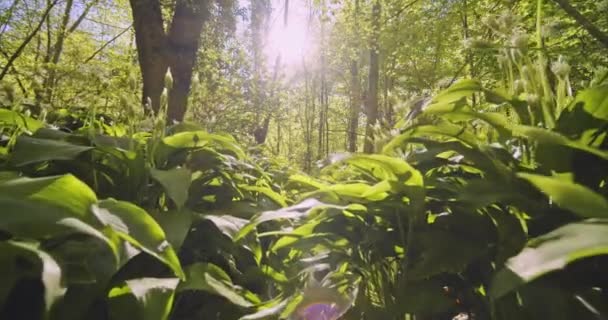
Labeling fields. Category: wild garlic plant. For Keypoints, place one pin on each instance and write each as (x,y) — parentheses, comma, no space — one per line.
(545,86)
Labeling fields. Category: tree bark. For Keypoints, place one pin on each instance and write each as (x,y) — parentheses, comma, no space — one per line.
(355,106)
(158,50)
(151,50)
(594,31)
(183,42)
(372,96)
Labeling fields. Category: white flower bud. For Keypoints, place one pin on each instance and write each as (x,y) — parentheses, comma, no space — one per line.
(168,79)
(561,68)
(519,86)
(520,41)
(164,97)
(532,99)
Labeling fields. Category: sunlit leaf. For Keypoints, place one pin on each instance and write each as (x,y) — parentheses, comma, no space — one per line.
(44,266)
(134,225)
(551,252)
(568,195)
(143,299)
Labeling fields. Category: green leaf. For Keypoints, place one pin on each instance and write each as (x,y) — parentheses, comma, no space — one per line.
(12,118)
(384,167)
(456,92)
(571,196)
(34,208)
(33,150)
(306,181)
(228,225)
(545,136)
(271,194)
(134,225)
(197,139)
(266,312)
(45,266)
(176,225)
(299,210)
(595,101)
(176,183)
(211,278)
(143,299)
(442,129)
(550,252)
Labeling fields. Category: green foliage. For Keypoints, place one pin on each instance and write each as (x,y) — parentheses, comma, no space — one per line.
(487,200)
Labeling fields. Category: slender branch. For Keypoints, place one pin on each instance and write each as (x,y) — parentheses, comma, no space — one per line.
(82,16)
(11,10)
(594,31)
(27,40)
(107,44)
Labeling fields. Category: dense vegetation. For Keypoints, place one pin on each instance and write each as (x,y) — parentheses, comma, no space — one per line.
(440,159)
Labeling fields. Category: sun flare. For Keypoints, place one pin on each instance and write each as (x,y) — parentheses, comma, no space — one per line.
(292,42)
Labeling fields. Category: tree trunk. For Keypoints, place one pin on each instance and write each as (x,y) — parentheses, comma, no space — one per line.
(151,46)
(372,96)
(183,43)
(157,51)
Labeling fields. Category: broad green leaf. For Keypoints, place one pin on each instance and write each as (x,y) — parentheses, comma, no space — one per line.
(290,238)
(33,208)
(228,225)
(134,225)
(211,278)
(143,299)
(32,150)
(11,270)
(12,118)
(267,311)
(595,101)
(197,139)
(176,225)
(303,180)
(360,191)
(299,210)
(550,252)
(176,183)
(384,167)
(271,194)
(456,92)
(442,129)
(545,136)
(568,195)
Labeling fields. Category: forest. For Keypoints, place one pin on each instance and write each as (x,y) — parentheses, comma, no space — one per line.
(303,159)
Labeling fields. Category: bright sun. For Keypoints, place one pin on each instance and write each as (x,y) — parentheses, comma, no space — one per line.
(291,42)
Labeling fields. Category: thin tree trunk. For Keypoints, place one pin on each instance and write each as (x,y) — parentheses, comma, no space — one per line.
(27,40)
(355,106)
(594,31)
(56,51)
(372,96)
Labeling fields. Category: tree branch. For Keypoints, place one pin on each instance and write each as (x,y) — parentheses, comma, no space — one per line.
(598,34)
(27,40)
(107,44)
